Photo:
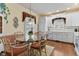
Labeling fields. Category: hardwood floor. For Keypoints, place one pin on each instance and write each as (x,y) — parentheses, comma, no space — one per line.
(61,48)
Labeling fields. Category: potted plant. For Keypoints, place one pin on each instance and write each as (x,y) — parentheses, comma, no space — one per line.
(30,33)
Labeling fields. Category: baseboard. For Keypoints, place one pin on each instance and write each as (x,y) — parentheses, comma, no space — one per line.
(61,42)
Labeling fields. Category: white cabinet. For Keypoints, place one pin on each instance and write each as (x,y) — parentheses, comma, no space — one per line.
(72,19)
(50,36)
(76,42)
(61,36)
(1,47)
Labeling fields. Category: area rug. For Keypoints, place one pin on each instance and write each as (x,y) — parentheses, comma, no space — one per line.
(49,50)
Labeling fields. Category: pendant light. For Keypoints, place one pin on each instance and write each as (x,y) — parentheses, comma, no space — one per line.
(30,19)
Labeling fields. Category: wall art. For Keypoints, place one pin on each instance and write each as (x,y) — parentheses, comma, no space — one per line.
(15,22)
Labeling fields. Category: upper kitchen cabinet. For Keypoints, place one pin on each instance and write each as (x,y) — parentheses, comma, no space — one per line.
(72,19)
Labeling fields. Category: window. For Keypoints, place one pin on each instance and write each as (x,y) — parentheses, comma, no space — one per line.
(59,22)
(0,24)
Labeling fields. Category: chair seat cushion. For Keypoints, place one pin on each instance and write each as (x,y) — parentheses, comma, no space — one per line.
(16,51)
(36,45)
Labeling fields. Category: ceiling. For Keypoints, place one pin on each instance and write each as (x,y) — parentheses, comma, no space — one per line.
(43,8)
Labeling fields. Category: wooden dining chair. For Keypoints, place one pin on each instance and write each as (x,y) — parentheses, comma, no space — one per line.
(40,44)
(13,49)
(19,36)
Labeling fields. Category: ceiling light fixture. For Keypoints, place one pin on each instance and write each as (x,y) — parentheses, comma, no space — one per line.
(75,3)
(57,10)
(68,8)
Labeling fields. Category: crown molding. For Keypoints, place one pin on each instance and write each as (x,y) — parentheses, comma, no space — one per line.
(74,9)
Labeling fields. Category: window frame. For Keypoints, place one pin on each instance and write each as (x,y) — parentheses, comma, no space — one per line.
(2,24)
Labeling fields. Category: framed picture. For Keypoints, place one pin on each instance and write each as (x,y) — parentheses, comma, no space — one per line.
(15,22)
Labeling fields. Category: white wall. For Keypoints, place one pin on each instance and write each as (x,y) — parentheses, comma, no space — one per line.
(42,22)
(16,11)
(72,20)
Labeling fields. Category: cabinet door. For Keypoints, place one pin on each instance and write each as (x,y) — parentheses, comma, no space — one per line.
(68,37)
(1,47)
(61,36)
(55,36)
(50,36)
(65,37)
(72,19)
(71,37)
(77,44)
